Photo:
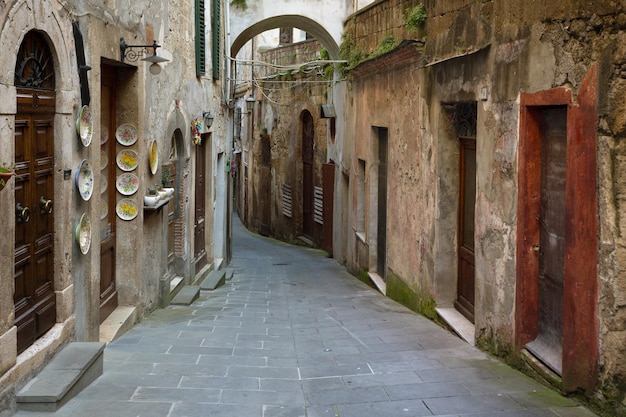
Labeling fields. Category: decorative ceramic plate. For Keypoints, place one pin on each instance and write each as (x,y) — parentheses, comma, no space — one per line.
(84,125)
(104,160)
(127,184)
(127,160)
(104,134)
(153,152)
(104,209)
(84,180)
(104,184)
(83,233)
(126,134)
(127,209)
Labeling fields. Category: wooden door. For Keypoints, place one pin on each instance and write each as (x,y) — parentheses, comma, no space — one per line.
(381,231)
(467,199)
(108,285)
(33,297)
(199,210)
(548,343)
(308,138)
(328,183)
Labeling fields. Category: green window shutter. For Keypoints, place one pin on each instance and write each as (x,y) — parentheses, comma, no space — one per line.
(200,39)
(216,32)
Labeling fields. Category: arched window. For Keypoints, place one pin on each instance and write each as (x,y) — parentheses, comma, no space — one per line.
(35,66)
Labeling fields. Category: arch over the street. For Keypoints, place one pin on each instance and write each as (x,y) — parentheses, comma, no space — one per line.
(244,26)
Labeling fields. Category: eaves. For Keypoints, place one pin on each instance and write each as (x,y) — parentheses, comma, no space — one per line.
(407,52)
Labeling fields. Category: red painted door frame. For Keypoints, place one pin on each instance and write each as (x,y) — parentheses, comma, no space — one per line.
(580,292)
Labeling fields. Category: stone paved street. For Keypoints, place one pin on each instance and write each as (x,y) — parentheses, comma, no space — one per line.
(293,334)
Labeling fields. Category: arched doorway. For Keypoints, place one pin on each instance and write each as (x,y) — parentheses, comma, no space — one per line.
(34,297)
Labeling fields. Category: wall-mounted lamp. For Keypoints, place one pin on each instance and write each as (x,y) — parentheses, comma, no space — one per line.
(250,103)
(208,118)
(128,53)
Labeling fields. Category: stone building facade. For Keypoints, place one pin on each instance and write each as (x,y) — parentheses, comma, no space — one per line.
(88,133)
(483,177)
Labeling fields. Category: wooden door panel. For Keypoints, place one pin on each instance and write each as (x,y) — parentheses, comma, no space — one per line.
(34,298)
(199,219)
(108,286)
(466,263)
(308,145)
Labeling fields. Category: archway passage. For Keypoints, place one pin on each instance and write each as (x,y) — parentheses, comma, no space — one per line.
(327,28)
(34,298)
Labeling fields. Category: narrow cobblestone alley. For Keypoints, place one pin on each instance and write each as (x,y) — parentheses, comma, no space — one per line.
(293,334)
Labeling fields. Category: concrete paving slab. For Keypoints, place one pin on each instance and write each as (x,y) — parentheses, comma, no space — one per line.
(292,334)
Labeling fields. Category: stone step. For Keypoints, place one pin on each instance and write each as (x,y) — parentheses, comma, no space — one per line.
(68,373)
(186,295)
(214,280)
(229,273)
(174,283)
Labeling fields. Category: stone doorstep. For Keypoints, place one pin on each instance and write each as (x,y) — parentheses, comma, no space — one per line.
(200,276)
(229,274)
(380,283)
(119,322)
(69,372)
(186,295)
(214,280)
(458,323)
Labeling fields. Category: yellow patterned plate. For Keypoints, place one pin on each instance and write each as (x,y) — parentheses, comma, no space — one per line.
(127,160)
(153,152)
(127,209)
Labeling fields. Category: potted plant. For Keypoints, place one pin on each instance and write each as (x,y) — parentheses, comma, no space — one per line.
(151,198)
(166,180)
(6,172)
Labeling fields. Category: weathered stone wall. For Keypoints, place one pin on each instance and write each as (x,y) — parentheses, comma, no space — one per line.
(485,52)
(157,105)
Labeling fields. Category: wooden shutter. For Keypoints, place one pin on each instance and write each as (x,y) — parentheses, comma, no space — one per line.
(216,34)
(200,39)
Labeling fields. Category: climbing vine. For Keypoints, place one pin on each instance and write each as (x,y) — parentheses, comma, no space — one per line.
(415,18)
(239,3)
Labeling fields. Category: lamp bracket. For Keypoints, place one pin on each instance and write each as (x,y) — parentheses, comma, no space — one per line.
(127,52)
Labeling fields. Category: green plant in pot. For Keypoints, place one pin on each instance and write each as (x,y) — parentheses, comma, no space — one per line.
(6,172)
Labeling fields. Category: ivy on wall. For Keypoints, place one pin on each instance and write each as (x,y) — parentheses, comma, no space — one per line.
(239,3)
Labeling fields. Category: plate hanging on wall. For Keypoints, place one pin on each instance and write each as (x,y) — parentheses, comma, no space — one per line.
(127,160)
(84,180)
(83,233)
(127,184)
(153,154)
(126,134)
(84,125)
(126,209)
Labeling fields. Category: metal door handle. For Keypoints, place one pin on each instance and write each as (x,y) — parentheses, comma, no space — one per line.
(46,205)
(22,213)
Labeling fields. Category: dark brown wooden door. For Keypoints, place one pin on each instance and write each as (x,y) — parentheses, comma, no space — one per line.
(381,227)
(467,190)
(308,140)
(328,184)
(199,224)
(548,344)
(108,285)
(34,298)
